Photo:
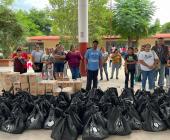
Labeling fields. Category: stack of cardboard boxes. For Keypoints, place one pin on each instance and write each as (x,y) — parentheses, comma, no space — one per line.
(34,79)
(8,79)
(34,84)
(2,80)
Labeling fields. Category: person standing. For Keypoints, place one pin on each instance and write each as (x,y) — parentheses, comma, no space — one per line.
(148,60)
(74,58)
(105,56)
(93,58)
(116,63)
(162,52)
(59,59)
(20,61)
(47,60)
(130,67)
(167,72)
(37,59)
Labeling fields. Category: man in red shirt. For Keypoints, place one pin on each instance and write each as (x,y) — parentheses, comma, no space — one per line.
(20,61)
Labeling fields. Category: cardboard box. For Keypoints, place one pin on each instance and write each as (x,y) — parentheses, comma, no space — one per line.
(35,78)
(77,85)
(25,87)
(12,76)
(41,88)
(7,85)
(65,84)
(17,87)
(63,79)
(33,91)
(50,86)
(23,78)
(33,85)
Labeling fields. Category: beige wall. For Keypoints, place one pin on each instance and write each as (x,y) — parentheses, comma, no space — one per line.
(147,41)
(50,43)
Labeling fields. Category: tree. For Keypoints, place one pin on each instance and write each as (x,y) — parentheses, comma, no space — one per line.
(100,19)
(34,22)
(165,28)
(65,18)
(41,19)
(29,27)
(6,2)
(132,18)
(11,32)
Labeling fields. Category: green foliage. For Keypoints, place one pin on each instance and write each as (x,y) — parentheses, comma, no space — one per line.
(34,22)
(166,28)
(132,18)
(6,2)
(11,32)
(156,27)
(100,19)
(65,18)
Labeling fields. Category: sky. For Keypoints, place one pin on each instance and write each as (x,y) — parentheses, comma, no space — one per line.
(162,7)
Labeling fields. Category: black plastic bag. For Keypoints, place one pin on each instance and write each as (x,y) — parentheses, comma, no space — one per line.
(128,95)
(13,125)
(110,96)
(95,95)
(36,119)
(165,112)
(49,122)
(64,129)
(4,110)
(117,123)
(132,116)
(151,120)
(95,128)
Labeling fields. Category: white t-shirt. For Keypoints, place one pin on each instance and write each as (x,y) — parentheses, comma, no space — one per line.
(148,58)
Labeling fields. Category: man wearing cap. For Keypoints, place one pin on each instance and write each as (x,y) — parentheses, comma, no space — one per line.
(162,52)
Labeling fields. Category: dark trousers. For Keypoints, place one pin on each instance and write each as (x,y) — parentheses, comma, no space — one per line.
(132,74)
(91,76)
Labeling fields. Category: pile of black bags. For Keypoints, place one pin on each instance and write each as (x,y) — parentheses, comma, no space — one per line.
(95,114)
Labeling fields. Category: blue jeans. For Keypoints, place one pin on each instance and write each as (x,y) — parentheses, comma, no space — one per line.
(75,72)
(150,76)
(105,70)
(161,72)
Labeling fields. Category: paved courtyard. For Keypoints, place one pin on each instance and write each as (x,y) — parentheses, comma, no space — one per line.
(136,135)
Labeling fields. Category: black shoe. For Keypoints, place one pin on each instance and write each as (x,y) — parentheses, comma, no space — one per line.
(111,77)
(117,78)
(107,79)
(101,79)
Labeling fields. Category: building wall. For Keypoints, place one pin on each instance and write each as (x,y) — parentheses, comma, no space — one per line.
(50,43)
(147,41)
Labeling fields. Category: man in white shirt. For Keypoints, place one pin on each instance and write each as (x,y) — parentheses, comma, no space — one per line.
(148,60)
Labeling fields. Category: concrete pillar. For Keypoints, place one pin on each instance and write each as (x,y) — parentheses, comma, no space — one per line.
(83,31)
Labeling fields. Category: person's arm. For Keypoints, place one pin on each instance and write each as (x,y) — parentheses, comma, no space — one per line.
(100,60)
(156,59)
(168,63)
(43,60)
(126,68)
(33,57)
(86,56)
(143,63)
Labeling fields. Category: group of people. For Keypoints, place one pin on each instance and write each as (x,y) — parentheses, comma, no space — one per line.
(146,63)
(52,64)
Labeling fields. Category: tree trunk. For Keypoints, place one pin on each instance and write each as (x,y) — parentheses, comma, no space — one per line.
(129,42)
